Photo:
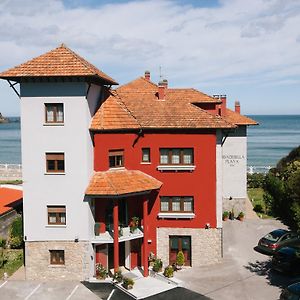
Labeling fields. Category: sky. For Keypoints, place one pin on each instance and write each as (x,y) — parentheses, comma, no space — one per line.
(248,50)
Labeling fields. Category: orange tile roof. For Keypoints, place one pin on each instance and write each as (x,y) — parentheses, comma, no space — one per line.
(238,119)
(113,114)
(139,98)
(7,197)
(61,61)
(121,182)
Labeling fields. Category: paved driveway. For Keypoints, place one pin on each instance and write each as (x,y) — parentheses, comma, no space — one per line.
(244,273)
(52,290)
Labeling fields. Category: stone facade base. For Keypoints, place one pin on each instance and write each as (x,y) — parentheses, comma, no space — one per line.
(206,244)
(235,204)
(77,260)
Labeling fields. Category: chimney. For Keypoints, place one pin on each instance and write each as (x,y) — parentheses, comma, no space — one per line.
(237,107)
(165,83)
(147,75)
(223,105)
(161,90)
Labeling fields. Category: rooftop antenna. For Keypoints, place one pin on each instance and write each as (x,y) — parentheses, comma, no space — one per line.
(160,75)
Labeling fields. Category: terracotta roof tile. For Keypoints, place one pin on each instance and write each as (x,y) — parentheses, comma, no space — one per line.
(238,119)
(7,197)
(139,98)
(121,182)
(113,115)
(61,61)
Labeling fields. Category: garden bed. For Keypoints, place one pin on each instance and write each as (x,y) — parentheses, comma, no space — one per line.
(12,261)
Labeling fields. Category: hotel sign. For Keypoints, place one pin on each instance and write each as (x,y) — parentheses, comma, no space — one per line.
(233,160)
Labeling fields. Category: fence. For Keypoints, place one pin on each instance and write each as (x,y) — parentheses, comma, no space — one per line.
(258,169)
(10,171)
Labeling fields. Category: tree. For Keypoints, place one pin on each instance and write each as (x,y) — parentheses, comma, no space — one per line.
(282,187)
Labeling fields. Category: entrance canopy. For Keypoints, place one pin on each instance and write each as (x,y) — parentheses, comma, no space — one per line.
(121,182)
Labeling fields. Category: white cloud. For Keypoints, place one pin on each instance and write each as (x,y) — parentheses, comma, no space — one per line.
(239,41)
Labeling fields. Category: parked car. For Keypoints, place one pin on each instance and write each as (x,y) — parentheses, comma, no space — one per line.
(275,240)
(287,260)
(292,292)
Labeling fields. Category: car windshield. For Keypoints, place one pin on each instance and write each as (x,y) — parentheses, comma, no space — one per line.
(275,235)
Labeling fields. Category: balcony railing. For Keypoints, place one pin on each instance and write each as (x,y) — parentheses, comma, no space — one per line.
(125,234)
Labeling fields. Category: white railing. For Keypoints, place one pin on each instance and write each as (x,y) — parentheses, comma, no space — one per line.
(10,167)
(258,169)
(10,171)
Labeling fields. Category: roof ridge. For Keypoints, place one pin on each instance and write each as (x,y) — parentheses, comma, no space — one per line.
(140,77)
(111,184)
(76,56)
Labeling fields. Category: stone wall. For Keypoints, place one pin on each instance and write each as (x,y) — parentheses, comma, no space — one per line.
(235,204)
(5,221)
(77,260)
(206,244)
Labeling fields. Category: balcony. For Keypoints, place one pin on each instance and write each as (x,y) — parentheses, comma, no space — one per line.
(125,234)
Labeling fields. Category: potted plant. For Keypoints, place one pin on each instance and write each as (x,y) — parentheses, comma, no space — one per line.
(241,216)
(128,283)
(118,277)
(134,224)
(157,265)
(101,272)
(231,215)
(169,271)
(225,215)
(151,259)
(180,259)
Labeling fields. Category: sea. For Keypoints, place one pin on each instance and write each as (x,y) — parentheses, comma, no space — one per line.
(272,139)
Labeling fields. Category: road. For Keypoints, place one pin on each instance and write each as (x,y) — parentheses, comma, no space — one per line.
(244,273)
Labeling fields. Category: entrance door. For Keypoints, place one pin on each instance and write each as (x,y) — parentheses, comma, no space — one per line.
(180,243)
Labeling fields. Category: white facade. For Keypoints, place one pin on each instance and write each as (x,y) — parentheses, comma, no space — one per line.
(71,138)
(234,161)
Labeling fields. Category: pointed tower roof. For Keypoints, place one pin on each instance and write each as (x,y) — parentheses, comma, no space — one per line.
(59,62)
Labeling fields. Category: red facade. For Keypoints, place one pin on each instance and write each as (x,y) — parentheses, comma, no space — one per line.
(199,183)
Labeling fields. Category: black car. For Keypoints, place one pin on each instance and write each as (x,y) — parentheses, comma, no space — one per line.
(292,292)
(275,240)
(287,260)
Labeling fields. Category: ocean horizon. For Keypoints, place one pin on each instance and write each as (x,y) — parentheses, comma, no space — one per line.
(268,142)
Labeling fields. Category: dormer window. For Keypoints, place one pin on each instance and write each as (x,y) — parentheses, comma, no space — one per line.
(116,158)
(54,112)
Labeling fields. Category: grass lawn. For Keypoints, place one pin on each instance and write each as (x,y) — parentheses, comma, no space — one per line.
(13,260)
(256,196)
(15,182)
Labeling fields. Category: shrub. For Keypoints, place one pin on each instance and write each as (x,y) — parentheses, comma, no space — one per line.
(101,272)
(157,266)
(15,242)
(3,258)
(180,259)
(2,242)
(16,227)
(255,180)
(118,276)
(258,208)
(169,271)
(127,282)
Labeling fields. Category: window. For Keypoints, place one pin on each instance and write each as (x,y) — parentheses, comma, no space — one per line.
(54,112)
(55,162)
(177,204)
(57,257)
(176,156)
(146,155)
(116,158)
(56,215)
